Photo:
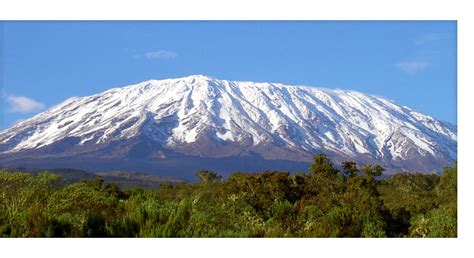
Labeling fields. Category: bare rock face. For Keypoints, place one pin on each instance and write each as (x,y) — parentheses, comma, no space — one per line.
(195,122)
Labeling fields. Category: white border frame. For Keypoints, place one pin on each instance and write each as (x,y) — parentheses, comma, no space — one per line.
(270,10)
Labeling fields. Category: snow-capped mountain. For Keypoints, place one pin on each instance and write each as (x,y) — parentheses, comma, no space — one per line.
(162,122)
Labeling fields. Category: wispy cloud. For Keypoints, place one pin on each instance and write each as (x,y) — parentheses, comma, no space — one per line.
(21,104)
(413,66)
(424,45)
(159,54)
(427,38)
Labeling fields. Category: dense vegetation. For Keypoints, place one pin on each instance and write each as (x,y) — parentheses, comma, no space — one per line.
(123,179)
(326,202)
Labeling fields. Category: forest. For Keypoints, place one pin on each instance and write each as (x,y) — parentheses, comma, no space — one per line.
(327,201)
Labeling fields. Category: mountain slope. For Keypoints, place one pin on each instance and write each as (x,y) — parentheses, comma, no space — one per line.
(202,117)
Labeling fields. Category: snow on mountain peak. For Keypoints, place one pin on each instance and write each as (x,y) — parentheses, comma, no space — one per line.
(264,118)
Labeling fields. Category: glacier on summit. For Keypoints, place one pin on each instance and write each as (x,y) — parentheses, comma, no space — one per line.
(204,117)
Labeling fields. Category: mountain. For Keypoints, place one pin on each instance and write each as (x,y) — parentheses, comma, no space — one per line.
(175,126)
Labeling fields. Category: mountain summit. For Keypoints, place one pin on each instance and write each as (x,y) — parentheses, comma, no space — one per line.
(178,125)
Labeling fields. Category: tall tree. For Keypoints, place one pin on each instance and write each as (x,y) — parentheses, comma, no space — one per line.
(323,165)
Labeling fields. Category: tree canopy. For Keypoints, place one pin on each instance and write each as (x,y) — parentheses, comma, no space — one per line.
(326,202)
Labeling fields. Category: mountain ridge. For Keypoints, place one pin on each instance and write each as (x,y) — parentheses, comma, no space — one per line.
(204,117)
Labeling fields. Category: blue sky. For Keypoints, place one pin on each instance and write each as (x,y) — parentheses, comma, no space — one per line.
(412,63)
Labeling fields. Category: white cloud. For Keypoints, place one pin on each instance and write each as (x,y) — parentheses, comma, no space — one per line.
(413,66)
(21,104)
(161,54)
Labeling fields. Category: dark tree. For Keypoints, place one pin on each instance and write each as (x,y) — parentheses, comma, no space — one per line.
(372,171)
(350,168)
(95,225)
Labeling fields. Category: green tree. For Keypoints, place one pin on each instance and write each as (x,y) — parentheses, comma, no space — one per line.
(323,165)
(372,171)
(206,176)
(22,201)
(323,203)
(440,221)
(446,190)
(350,168)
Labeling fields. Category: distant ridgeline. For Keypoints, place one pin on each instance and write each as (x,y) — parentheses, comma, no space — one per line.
(124,180)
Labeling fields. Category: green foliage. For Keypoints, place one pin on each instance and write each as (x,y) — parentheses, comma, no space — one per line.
(441,220)
(58,227)
(322,165)
(208,176)
(95,225)
(409,192)
(436,223)
(372,171)
(446,190)
(372,229)
(350,168)
(323,203)
(20,196)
